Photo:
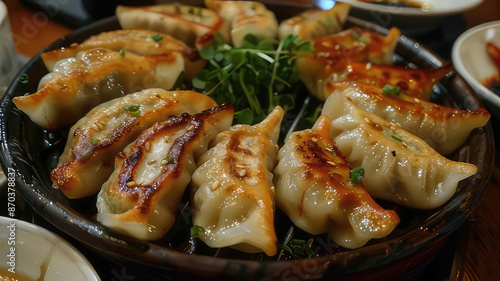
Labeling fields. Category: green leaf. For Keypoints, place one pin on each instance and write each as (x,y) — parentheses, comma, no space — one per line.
(157,37)
(244,116)
(23,79)
(391,90)
(198,83)
(132,107)
(357,174)
(250,41)
(196,230)
(207,52)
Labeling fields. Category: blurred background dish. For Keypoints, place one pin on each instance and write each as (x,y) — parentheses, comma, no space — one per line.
(476,66)
(413,17)
(40,254)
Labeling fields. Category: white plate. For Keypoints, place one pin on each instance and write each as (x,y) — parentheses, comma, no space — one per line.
(472,62)
(432,8)
(40,252)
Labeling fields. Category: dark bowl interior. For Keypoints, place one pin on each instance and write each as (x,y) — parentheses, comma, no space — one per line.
(31,152)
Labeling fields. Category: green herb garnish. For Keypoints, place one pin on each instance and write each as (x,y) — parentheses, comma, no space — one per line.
(122,53)
(357,174)
(87,155)
(396,138)
(157,37)
(391,90)
(132,108)
(23,79)
(94,141)
(298,248)
(196,230)
(255,77)
(136,113)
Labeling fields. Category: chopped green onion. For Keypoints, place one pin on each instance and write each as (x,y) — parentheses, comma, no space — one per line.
(298,248)
(23,79)
(396,138)
(94,141)
(132,108)
(390,90)
(196,230)
(122,53)
(357,174)
(136,113)
(157,37)
(87,155)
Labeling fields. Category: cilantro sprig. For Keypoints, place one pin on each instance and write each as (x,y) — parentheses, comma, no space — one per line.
(255,77)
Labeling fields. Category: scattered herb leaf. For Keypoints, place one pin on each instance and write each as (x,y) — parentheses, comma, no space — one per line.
(23,79)
(298,248)
(391,90)
(196,230)
(87,155)
(132,108)
(94,141)
(396,138)
(136,113)
(357,174)
(157,37)
(122,53)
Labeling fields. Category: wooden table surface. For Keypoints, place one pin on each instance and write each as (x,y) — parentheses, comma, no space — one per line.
(478,251)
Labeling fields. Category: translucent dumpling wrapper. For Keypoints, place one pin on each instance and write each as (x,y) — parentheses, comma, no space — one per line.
(314,188)
(417,82)
(398,166)
(142,196)
(444,128)
(138,41)
(78,84)
(314,23)
(93,142)
(246,17)
(232,189)
(195,26)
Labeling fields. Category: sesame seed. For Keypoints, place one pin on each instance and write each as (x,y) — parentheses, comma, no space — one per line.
(164,162)
(242,172)
(215,184)
(331,163)
(147,146)
(131,184)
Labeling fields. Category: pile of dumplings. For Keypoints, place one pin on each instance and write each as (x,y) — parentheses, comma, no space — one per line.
(138,144)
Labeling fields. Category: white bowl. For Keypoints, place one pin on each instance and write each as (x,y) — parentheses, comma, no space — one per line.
(40,254)
(472,62)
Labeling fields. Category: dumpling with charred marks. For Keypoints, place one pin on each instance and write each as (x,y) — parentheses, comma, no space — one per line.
(232,188)
(93,142)
(314,23)
(246,17)
(193,25)
(92,77)
(444,128)
(398,166)
(417,82)
(314,188)
(140,198)
(138,41)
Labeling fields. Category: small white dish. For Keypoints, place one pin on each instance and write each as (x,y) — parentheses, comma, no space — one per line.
(410,20)
(473,63)
(40,254)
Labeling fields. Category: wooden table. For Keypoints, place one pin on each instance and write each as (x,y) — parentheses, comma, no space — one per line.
(478,251)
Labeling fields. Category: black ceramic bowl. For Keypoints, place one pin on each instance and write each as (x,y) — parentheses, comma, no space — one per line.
(31,152)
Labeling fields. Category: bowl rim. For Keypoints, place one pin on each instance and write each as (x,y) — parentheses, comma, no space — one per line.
(151,255)
(53,238)
(481,90)
(409,11)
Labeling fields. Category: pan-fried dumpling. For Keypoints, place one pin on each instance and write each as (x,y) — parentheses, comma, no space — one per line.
(88,158)
(232,190)
(398,166)
(190,24)
(141,197)
(414,82)
(95,76)
(246,17)
(315,23)
(138,41)
(444,128)
(314,188)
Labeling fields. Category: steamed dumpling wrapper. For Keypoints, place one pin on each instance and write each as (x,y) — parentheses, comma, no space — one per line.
(93,142)
(142,196)
(95,76)
(232,189)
